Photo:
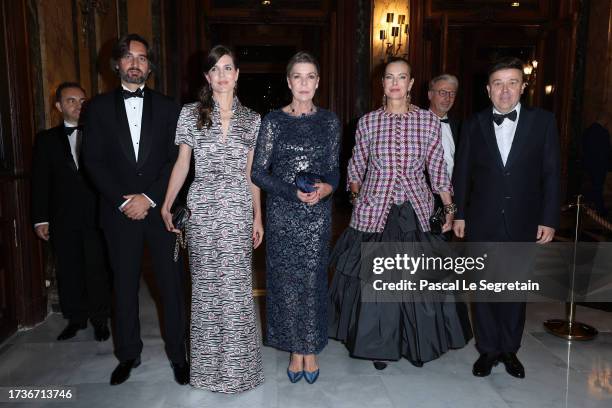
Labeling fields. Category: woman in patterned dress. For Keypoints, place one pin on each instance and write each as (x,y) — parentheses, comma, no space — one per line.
(394,147)
(224,227)
(298,138)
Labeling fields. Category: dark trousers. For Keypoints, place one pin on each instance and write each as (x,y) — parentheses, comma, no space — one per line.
(82,274)
(126,239)
(498,326)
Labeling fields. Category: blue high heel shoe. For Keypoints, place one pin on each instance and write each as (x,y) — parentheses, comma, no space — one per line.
(311,376)
(295,376)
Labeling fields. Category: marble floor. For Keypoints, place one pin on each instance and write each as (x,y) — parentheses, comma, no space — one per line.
(559,374)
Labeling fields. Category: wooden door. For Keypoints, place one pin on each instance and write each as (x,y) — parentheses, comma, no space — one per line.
(22,291)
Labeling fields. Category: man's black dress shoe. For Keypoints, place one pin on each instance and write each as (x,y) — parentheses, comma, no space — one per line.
(484,364)
(71,330)
(122,372)
(181,372)
(513,365)
(380,365)
(101,332)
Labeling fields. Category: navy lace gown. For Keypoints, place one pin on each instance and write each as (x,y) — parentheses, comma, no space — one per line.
(297,235)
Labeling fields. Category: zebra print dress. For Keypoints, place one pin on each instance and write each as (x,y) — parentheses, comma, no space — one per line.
(225,345)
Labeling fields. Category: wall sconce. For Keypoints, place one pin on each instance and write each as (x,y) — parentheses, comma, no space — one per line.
(391,35)
(549,89)
(529,69)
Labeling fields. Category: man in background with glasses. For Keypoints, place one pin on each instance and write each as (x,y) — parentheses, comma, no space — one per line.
(441,95)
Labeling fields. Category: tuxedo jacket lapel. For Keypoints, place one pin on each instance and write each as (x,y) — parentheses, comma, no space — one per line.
(146,128)
(125,138)
(65,143)
(521,135)
(454,125)
(486,127)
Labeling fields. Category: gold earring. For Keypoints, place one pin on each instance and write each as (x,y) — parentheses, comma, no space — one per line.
(384,102)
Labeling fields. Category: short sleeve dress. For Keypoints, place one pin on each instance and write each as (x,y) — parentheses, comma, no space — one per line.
(225,344)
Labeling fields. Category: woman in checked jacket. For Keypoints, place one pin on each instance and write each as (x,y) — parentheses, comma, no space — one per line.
(395,146)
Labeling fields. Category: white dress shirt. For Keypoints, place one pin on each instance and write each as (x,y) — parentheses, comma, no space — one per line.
(133,110)
(504,133)
(448,144)
(73,139)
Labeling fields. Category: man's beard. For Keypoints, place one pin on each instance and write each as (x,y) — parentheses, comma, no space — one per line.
(126,77)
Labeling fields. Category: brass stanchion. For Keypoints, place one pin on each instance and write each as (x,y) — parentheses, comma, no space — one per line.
(570,329)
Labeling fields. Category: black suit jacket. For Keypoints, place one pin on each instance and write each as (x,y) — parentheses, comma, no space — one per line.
(61,194)
(510,201)
(108,153)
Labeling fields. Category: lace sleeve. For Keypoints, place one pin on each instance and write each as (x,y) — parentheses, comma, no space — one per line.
(264,161)
(332,175)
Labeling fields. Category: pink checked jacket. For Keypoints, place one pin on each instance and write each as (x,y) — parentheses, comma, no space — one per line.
(391,155)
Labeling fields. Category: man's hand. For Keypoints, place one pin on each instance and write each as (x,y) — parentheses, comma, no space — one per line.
(42,231)
(545,234)
(459,228)
(137,208)
(448,222)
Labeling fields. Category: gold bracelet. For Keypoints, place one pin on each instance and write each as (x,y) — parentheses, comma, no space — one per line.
(450,208)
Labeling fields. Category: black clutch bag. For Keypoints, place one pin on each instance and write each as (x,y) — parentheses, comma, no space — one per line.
(305,181)
(180,216)
(437,220)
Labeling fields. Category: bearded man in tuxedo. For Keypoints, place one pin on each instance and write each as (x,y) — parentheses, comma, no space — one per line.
(129,151)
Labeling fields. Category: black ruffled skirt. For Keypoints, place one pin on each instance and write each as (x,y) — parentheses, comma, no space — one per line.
(420,331)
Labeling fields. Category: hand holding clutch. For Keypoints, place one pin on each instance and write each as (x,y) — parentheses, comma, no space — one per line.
(305,181)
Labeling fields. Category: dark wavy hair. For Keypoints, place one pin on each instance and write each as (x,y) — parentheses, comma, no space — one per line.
(122,47)
(205,96)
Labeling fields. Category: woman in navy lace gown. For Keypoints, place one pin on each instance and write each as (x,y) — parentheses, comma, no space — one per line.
(298,138)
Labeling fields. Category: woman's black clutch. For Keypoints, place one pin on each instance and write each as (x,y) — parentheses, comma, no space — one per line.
(180,216)
(305,181)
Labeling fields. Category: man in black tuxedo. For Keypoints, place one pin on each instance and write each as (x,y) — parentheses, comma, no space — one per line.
(64,212)
(129,150)
(441,94)
(506,185)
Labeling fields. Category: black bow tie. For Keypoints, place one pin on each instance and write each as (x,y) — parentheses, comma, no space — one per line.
(445,120)
(69,129)
(498,118)
(139,93)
